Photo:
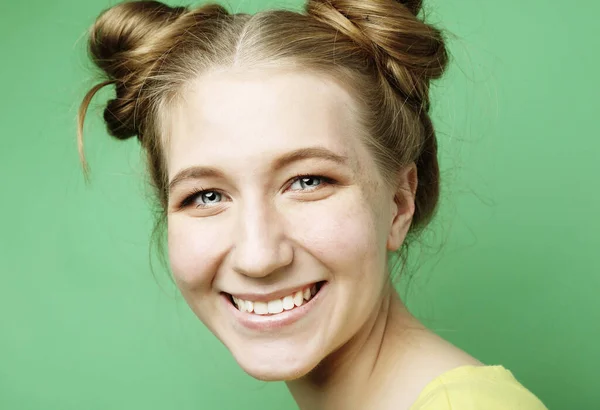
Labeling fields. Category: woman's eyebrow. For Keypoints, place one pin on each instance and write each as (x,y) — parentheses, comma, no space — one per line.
(197,172)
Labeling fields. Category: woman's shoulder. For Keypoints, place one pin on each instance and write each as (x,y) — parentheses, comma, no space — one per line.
(477,387)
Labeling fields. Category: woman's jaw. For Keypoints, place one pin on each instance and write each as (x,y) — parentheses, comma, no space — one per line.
(291,343)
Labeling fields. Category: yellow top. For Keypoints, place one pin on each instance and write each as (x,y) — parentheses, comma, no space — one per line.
(476,388)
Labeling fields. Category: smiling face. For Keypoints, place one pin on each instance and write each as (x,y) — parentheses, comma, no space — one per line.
(249,239)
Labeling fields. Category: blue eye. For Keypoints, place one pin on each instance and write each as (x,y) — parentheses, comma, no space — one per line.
(202,198)
(210,195)
(308,180)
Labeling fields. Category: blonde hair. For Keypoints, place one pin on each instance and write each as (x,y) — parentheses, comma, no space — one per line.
(378,49)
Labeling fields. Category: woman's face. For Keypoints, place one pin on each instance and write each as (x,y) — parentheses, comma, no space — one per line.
(282,269)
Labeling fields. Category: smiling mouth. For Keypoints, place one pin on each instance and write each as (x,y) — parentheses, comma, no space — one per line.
(276,306)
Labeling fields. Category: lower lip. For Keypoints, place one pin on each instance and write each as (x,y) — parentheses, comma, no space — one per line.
(268,322)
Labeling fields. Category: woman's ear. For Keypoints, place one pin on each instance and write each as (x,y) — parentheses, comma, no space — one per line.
(403,207)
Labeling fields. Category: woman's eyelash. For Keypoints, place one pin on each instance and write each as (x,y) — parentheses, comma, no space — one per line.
(191,197)
(199,191)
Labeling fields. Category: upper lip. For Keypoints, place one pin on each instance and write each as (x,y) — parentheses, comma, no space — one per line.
(265,297)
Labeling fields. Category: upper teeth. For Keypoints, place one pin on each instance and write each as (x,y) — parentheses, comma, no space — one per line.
(276,305)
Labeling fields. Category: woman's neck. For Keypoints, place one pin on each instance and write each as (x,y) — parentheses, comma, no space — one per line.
(356,372)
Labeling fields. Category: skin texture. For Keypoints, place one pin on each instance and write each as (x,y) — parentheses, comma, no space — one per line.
(260,230)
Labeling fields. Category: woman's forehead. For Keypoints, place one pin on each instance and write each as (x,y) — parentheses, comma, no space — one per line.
(259,115)
(290,100)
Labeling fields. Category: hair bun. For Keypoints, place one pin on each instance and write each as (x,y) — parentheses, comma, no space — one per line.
(408,51)
(124,32)
(122,43)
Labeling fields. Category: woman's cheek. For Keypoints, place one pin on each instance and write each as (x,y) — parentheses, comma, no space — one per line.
(191,247)
(338,232)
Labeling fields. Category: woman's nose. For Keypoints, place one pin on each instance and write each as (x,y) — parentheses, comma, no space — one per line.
(260,246)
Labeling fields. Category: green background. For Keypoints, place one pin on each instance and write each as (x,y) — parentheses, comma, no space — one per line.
(509,271)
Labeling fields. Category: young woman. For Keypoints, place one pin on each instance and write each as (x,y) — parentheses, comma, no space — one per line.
(293,155)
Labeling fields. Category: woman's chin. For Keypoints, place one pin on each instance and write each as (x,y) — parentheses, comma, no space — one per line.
(280,365)
(272,372)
